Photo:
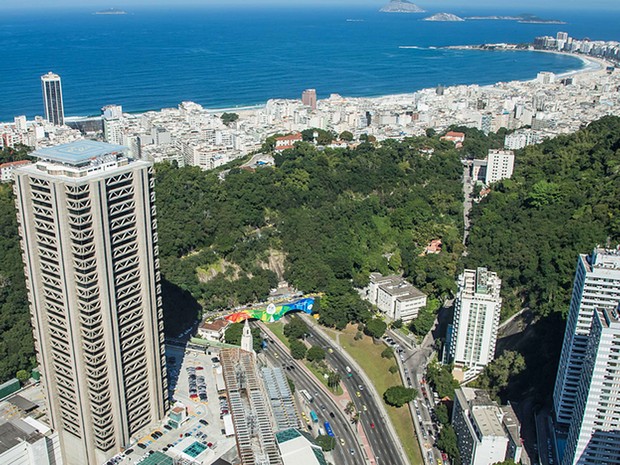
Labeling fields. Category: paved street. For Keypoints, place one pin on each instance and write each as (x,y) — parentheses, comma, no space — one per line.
(386,447)
(277,355)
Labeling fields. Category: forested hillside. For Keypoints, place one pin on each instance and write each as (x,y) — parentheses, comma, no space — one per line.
(335,216)
(563,200)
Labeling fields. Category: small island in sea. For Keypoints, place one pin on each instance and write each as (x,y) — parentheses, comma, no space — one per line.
(110,11)
(401,6)
(524,18)
(443,17)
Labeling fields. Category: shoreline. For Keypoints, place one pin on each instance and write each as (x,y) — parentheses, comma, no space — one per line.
(592,65)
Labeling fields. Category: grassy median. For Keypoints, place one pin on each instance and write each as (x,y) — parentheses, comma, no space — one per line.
(368,355)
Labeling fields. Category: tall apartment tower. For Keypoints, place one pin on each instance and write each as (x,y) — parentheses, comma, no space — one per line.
(88,230)
(52,99)
(476,319)
(596,286)
(308,98)
(594,432)
(500,165)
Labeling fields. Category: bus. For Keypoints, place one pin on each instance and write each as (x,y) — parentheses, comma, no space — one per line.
(328,429)
(314,417)
(306,395)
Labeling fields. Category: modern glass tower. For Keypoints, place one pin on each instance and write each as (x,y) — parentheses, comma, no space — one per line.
(594,432)
(88,230)
(596,286)
(52,99)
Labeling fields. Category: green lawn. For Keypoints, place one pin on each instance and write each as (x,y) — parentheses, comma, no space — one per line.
(368,355)
(277,328)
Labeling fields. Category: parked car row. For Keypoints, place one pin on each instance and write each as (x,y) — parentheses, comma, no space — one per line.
(197,384)
(224,409)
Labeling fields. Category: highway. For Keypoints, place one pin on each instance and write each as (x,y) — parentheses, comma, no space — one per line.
(341,425)
(384,449)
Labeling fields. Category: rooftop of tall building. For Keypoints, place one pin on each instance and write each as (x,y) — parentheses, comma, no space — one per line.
(604,258)
(80,153)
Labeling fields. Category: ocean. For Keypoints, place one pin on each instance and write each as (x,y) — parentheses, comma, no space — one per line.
(228,57)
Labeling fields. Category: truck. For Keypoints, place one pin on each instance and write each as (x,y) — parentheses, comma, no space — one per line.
(328,429)
(349,371)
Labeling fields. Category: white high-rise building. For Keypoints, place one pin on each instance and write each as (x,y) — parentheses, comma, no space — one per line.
(596,286)
(594,433)
(476,319)
(88,230)
(52,99)
(500,165)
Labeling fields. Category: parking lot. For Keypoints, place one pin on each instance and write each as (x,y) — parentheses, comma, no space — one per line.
(193,384)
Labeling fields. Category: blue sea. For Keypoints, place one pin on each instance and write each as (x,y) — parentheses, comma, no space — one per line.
(228,57)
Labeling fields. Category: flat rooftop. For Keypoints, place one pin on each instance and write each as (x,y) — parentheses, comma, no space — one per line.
(78,153)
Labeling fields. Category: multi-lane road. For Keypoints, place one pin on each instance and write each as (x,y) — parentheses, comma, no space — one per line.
(372,419)
(322,404)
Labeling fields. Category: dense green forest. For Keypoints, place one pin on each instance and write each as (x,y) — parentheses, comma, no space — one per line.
(321,219)
(16,343)
(563,199)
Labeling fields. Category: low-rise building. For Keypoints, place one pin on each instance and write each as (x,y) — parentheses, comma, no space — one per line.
(486,432)
(287,142)
(213,331)
(26,441)
(456,137)
(397,298)
(6,169)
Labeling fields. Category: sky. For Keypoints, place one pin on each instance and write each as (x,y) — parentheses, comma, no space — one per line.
(428,4)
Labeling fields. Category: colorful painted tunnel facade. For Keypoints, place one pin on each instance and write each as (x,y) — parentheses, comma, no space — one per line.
(272,312)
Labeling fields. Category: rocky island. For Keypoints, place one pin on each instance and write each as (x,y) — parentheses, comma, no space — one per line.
(401,6)
(443,17)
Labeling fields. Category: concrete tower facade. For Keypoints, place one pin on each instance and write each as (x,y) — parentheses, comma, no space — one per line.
(88,232)
(476,320)
(308,98)
(596,286)
(52,99)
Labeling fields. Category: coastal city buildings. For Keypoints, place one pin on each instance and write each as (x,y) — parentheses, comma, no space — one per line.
(594,432)
(52,99)
(395,297)
(486,433)
(192,135)
(473,333)
(596,287)
(88,230)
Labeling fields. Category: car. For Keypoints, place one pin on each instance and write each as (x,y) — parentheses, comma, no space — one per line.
(164,449)
(341,442)
(351,451)
(209,444)
(358,394)
(188,434)
(128,451)
(168,427)
(141,446)
(199,368)
(372,425)
(330,350)
(360,387)
(364,408)
(322,407)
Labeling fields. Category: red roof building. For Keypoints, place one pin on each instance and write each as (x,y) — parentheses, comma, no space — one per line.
(287,142)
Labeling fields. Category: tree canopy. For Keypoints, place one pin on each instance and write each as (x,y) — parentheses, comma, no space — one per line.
(397,396)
